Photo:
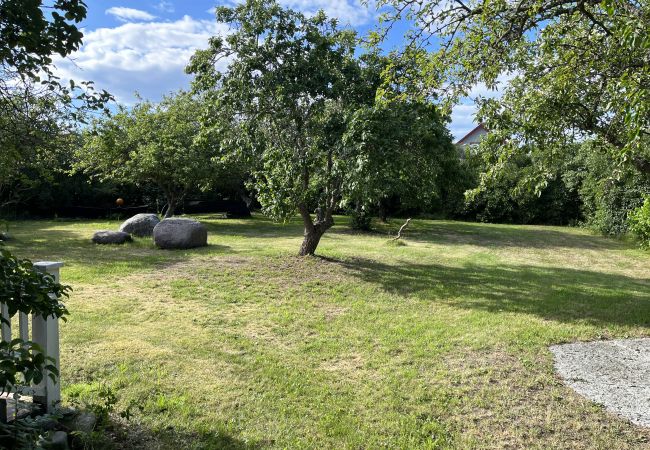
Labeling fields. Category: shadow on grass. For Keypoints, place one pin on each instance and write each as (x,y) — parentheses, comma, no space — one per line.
(129,436)
(558,294)
(490,235)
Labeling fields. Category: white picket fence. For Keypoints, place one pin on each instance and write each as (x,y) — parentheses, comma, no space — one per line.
(45,333)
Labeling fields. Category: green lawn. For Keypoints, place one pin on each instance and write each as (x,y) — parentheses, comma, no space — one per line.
(439,343)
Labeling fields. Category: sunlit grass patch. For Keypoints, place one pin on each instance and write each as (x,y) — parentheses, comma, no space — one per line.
(441,343)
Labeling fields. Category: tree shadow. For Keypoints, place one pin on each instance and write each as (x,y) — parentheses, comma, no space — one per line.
(557,294)
(132,436)
(491,235)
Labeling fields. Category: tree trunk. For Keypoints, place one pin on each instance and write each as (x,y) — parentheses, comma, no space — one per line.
(171,207)
(383,212)
(310,242)
(313,231)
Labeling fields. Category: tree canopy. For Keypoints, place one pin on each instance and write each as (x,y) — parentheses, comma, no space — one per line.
(294,89)
(151,144)
(38,111)
(578,68)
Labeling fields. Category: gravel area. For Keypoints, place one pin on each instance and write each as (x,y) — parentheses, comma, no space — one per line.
(615,374)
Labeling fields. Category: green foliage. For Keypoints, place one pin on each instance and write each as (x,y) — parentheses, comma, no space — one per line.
(608,192)
(151,144)
(24,289)
(580,65)
(37,111)
(26,433)
(23,363)
(402,149)
(284,86)
(506,196)
(573,71)
(639,222)
(360,219)
(311,119)
(36,138)
(28,39)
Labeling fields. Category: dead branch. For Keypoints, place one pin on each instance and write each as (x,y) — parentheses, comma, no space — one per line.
(402,228)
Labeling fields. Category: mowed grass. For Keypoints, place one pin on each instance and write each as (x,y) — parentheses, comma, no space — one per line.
(439,343)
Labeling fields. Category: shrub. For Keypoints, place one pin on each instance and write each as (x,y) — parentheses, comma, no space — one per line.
(24,289)
(361,219)
(639,222)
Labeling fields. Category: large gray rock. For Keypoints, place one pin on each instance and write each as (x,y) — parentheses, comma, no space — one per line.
(140,225)
(111,237)
(180,233)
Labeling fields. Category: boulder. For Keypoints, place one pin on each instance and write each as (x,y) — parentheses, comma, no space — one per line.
(140,225)
(111,237)
(180,233)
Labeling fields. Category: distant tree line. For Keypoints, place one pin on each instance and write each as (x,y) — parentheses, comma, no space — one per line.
(308,120)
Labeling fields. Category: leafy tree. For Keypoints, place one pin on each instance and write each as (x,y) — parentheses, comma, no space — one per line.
(287,81)
(34,144)
(37,110)
(405,150)
(608,192)
(508,196)
(303,109)
(580,69)
(151,143)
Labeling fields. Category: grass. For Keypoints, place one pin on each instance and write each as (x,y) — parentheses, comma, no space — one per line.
(438,343)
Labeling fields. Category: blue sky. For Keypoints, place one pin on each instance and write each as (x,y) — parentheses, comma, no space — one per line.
(144,45)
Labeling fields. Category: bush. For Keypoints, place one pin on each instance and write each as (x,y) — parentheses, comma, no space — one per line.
(639,222)
(361,220)
(24,289)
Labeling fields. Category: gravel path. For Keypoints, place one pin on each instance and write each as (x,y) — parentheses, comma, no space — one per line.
(615,374)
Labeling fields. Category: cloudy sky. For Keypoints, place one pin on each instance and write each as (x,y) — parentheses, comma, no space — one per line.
(143,46)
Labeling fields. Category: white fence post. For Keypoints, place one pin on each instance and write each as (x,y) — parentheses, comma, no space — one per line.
(45,332)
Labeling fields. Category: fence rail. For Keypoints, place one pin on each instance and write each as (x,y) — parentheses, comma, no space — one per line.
(45,333)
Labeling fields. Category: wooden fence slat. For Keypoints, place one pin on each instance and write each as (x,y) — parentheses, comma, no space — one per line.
(23,326)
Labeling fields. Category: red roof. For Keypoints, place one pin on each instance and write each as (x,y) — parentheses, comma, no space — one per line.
(468,135)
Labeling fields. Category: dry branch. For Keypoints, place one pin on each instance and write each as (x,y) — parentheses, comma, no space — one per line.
(402,228)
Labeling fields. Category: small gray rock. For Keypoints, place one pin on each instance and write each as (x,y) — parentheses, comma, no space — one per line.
(111,237)
(84,422)
(140,225)
(59,441)
(180,233)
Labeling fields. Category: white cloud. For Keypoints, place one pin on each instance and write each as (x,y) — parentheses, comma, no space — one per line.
(165,6)
(149,58)
(349,12)
(124,14)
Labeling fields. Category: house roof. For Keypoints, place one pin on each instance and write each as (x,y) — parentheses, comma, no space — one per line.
(476,129)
